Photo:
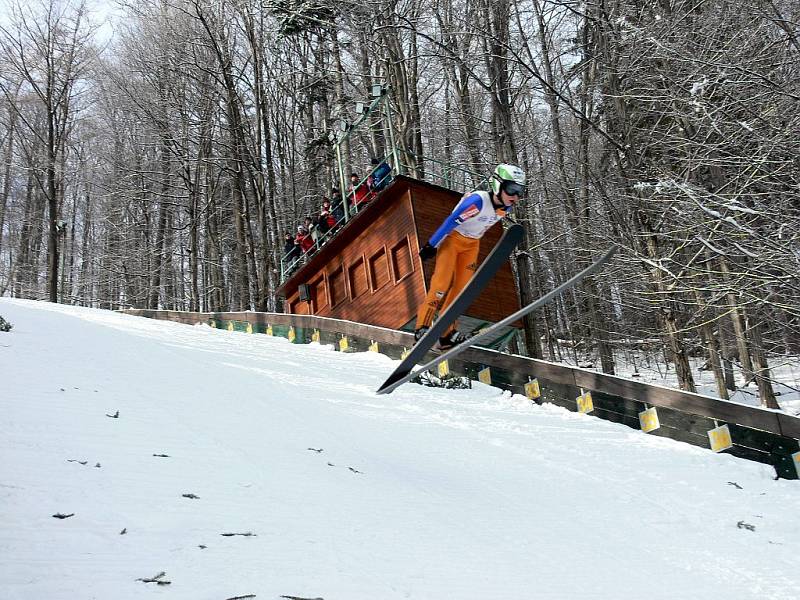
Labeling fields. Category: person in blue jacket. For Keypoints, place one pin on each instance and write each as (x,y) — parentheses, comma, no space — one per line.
(456,244)
(380,177)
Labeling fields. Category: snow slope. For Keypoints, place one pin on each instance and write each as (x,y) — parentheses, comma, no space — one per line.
(423,494)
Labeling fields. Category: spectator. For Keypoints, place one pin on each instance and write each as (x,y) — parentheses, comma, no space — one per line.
(359,194)
(380,177)
(303,239)
(311,227)
(326,218)
(291,252)
(338,206)
(322,222)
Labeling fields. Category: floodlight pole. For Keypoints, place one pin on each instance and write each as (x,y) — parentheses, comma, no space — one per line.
(398,168)
(342,190)
(379,93)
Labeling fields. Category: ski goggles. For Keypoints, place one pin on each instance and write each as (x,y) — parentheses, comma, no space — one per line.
(512,188)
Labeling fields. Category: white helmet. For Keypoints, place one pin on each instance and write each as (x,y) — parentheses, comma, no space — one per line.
(508,177)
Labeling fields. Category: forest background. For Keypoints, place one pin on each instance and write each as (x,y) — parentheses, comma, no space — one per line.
(159,167)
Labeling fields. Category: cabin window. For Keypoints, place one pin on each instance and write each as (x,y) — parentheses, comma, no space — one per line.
(357,278)
(378,269)
(319,297)
(337,286)
(401,260)
(299,307)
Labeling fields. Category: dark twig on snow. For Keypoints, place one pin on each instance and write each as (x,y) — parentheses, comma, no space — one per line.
(736,485)
(114,416)
(242,597)
(157,579)
(124,531)
(300,598)
(743,525)
(317,450)
(191,496)
(161,455)
(82,462)
(355,471)
(63,516)
(248,534)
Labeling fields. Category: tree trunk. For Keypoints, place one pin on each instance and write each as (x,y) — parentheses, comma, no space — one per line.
(52,211)
(725,353)
(157,267)
(765,391)
(668,317)
(712,347)
(527,294)
(496,15)
(7,160)
(341,113)
(738,324)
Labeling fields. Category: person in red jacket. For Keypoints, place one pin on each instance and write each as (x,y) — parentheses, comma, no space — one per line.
(326,219)
(304,239)
(359,194)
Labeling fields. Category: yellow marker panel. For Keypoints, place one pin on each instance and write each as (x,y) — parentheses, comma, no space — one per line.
(344,344)
(648,420)
(269,330)
(373,347)
(796,460)
(315,336)
(292,335)
(405,353)
(443,368)
(213,323)
(485,376)
(249,328)
(720,438)
(532,390)
(585,404)
(230,326)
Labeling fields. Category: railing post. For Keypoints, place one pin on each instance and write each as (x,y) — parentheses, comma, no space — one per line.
(342,190)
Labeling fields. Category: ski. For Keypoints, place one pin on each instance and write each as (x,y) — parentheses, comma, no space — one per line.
(499,254)
(392,384)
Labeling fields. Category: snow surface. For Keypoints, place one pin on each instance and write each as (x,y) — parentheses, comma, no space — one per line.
(424,493)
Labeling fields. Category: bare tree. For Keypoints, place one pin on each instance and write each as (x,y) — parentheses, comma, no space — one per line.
(48,47)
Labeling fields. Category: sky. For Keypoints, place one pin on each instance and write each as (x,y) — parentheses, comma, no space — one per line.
(156,440)
(105,14)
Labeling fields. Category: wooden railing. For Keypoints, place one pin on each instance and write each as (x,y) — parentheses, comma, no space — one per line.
(754,433)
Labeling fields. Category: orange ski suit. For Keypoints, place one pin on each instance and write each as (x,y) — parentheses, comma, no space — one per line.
(456,262)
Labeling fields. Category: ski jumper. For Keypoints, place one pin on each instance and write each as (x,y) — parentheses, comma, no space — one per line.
(457,242)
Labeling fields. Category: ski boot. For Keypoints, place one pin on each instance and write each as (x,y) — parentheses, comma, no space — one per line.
(454,338)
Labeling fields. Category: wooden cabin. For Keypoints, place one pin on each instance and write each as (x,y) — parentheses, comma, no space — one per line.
(370,271)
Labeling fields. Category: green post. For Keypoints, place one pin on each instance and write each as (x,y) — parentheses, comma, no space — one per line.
(342,190)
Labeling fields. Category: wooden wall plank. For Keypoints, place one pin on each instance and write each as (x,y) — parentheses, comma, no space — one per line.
(683,401)
(789,426)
